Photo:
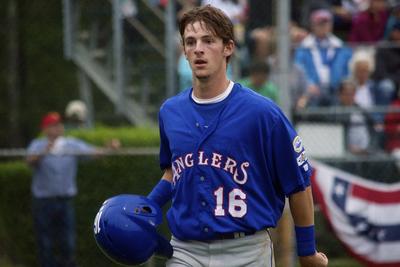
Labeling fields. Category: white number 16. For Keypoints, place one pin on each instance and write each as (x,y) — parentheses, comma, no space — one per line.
(237,206)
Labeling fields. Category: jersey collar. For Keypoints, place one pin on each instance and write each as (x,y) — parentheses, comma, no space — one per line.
(215,99)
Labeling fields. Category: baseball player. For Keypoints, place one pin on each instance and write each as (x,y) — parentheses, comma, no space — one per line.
(231,158)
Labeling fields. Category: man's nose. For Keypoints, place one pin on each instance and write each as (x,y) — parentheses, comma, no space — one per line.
(199,48)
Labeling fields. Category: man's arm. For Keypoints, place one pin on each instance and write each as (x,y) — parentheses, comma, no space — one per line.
(162,192)
(302,209)
(167,175)
(33,158)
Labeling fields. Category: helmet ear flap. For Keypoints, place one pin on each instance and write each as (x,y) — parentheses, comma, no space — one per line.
(125,230)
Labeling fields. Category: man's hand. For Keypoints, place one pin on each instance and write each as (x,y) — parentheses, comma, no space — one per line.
(34,159)
(319,259)
(113,144)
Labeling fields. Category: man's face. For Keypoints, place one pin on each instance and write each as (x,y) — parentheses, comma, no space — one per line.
(205,52)
(322,29)
(54,130)
(362,70)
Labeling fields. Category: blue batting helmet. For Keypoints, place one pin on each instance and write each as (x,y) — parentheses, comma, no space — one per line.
(125,229)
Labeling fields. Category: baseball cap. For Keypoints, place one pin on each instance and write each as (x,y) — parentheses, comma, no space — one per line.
(320,15)
(50,119)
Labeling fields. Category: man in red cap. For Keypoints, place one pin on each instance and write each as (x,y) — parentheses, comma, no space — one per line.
(54,159)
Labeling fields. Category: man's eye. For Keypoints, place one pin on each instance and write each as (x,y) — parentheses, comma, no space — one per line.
(189,42)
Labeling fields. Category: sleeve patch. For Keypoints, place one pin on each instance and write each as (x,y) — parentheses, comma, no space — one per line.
(297,144)
(302,158)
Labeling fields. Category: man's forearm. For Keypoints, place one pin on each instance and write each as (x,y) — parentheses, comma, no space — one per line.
(302,207)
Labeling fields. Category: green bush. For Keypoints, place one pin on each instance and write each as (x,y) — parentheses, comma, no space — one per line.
(129,136)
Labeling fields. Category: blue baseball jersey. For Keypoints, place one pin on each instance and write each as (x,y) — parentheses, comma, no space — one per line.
(233,163)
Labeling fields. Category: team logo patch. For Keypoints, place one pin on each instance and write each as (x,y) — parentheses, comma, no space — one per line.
(297,144)
(302,158)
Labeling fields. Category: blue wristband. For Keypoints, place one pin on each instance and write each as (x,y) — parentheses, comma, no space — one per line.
(305,240)
(161,193)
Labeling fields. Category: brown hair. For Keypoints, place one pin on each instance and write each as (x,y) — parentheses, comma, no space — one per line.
(214,20)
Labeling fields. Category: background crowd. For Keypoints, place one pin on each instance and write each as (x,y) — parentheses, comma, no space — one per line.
(343,53)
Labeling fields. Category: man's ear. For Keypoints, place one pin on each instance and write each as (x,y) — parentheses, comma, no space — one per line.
(229,48)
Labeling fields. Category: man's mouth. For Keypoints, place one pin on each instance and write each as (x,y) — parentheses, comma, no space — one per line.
(200,62)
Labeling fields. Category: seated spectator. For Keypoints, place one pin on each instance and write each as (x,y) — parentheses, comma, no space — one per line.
(369,26)
(344,10)
(324,59)
(186,6)
(392,126)
(394,18)
(387,58)
(260,33)
(361,67)
(258,80)
(356,122)
(370,93)
(184,73)
(235,9)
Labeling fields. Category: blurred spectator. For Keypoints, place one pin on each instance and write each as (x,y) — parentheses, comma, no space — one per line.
(297,82)
(370,93)
(184,73)
(394,18)
(343,12)
(258,80)
(392,127)
(260,32)
(361,67)
(356,122)
(53,159)
(387,58)
(259,14)
(324,59)
(235,9)
(76,115)
(129,8)
(301,10)
(185,6)
(369,26)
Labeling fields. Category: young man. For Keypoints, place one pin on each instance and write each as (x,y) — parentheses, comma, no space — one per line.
(230,157)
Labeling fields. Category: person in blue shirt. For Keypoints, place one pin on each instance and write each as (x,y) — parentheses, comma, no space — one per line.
(324,58)
(54,162)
